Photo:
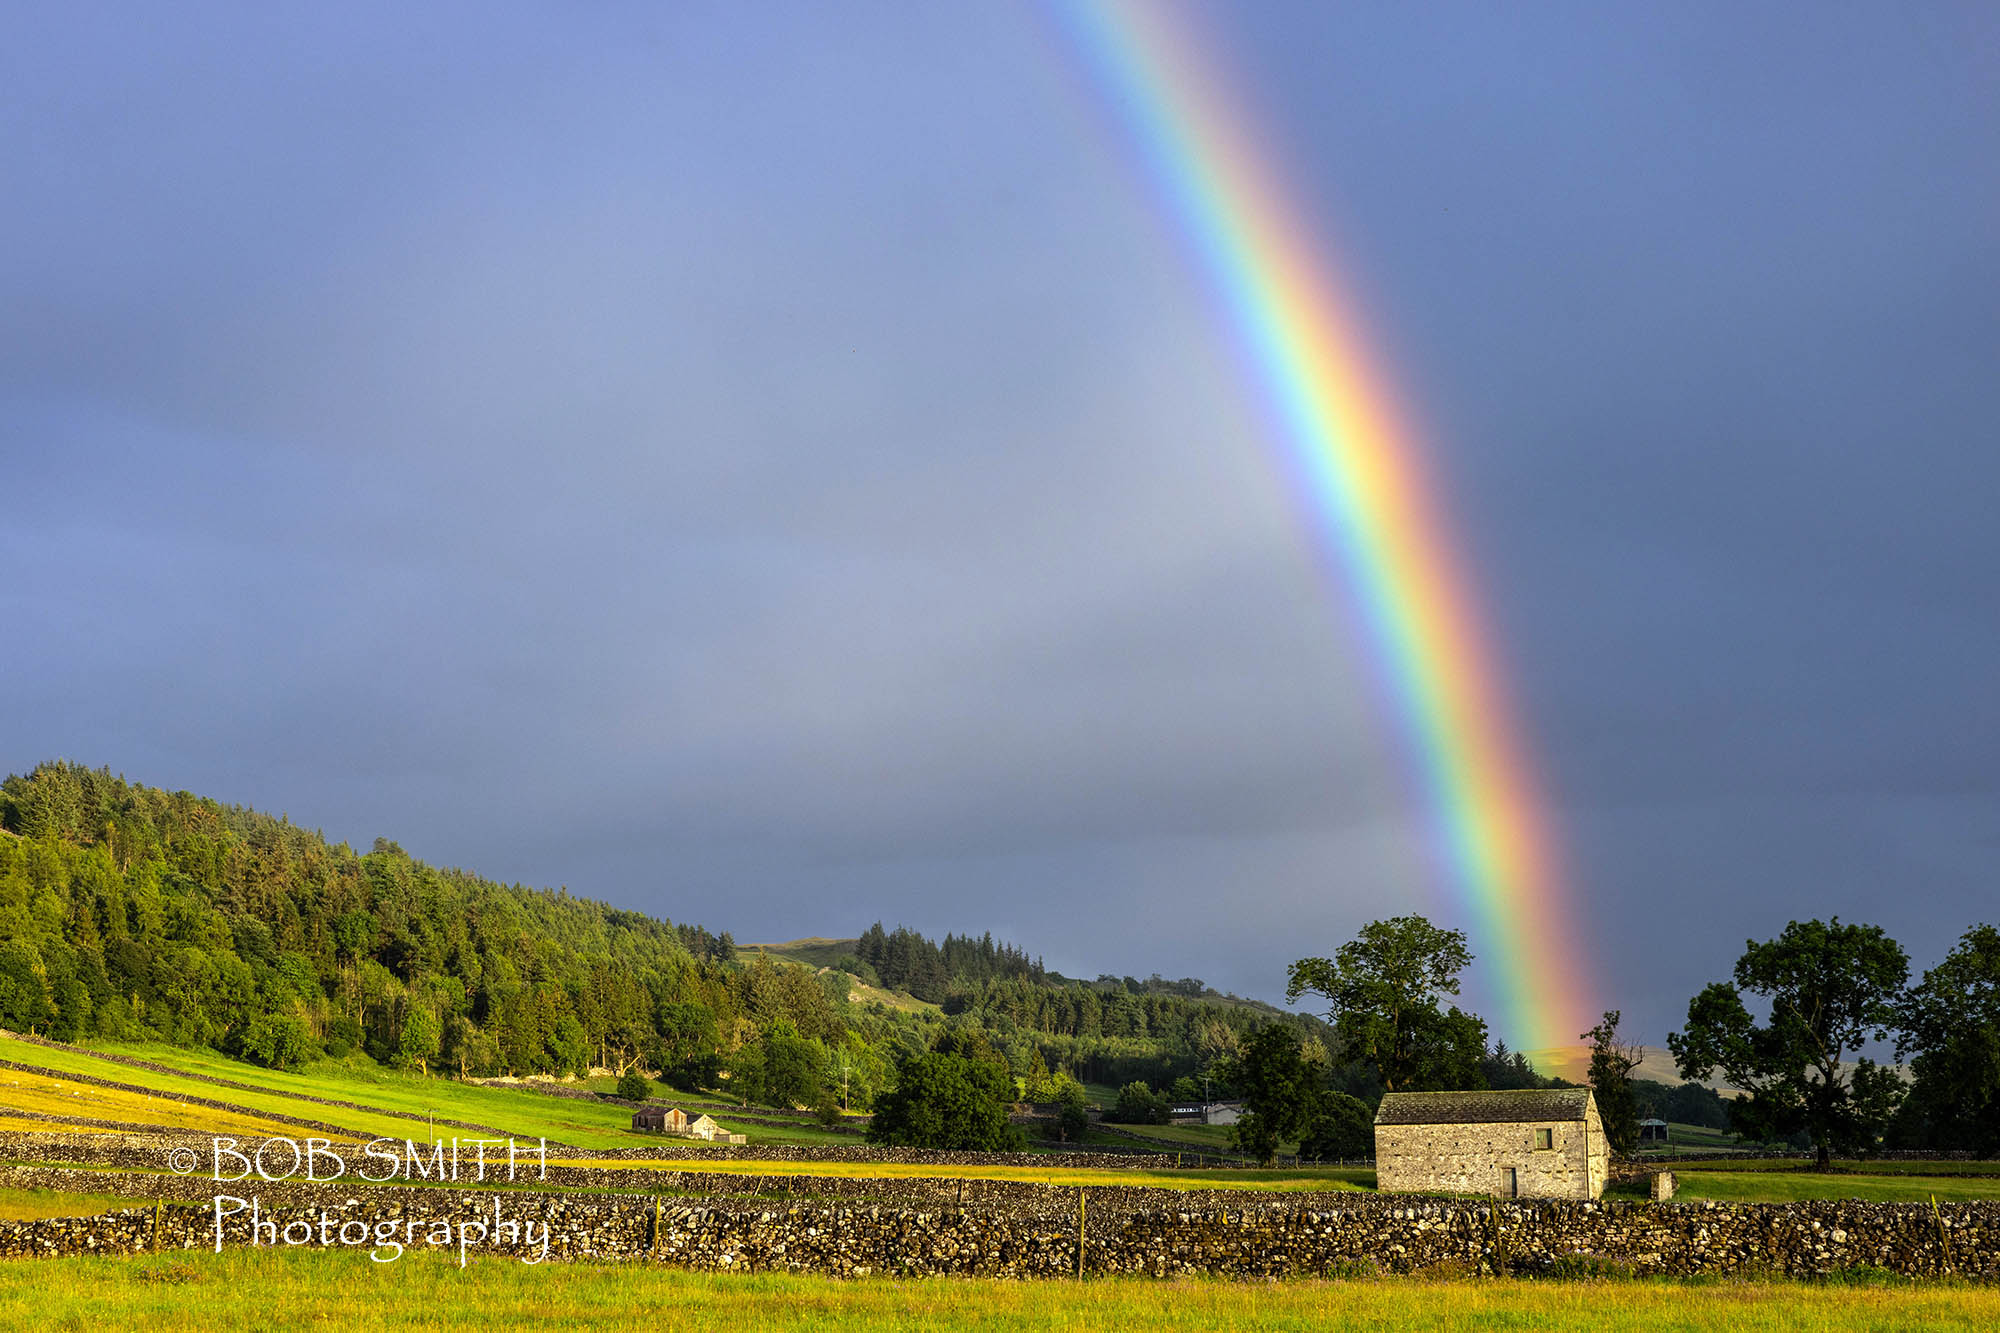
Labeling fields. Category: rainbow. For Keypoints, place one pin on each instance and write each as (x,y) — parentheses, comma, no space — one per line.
(1361,478)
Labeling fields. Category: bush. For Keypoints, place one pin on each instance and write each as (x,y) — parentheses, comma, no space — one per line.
(633,1086)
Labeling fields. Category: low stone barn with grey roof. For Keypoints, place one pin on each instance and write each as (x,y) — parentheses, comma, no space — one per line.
(1544,1143)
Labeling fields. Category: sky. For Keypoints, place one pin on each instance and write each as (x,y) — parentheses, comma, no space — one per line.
(780,467)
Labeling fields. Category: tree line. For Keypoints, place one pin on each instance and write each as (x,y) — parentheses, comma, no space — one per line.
(128,912)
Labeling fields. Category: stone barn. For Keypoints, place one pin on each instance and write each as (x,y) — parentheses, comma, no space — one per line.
(1528,1144)
(671,1120)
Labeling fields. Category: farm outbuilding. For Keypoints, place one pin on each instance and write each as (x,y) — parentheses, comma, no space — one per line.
(1526,1144)
(667,1119)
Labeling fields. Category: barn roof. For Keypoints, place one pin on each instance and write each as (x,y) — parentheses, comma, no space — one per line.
(1482,1108)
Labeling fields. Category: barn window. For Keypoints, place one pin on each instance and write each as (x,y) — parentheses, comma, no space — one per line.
(1545,1138)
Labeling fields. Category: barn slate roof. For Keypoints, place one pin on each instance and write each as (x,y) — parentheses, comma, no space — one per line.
(1482,1108)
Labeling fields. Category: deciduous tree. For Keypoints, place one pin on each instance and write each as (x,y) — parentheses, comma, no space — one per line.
(1829,988)
(1384,987)
(1281,1092)
(1611,1065)
(1951,1023)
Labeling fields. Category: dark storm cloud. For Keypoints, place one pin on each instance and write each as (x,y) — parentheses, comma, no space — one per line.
(778,470)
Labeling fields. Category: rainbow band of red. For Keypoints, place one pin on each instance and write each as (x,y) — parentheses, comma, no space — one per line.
(1375,519)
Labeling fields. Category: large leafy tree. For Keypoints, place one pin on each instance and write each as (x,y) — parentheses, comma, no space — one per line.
(1611,1064)
(1829,989)
(1282,1096)
(955,1096)
(1343,1130)
(792,1066)
(1951,1021)
(1385,987)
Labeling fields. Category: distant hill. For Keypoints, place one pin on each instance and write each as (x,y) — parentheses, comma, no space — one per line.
(1572,1062)
(813,951)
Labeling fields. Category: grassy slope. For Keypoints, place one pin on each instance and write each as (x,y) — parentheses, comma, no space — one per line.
(56,1096)
(291,1288)
(813,951)
(400,1103)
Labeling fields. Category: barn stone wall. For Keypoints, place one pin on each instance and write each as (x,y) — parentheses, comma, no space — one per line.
(1473,1159)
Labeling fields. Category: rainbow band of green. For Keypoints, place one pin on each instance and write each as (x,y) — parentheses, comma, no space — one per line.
(1374,519)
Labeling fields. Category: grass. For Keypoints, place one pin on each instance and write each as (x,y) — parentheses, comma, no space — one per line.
(1934,1166)
(296,1288)
(56,1096)
(1137,1177)
(1791,1186)
(400,1104)
(1198,1138)
(19,1205)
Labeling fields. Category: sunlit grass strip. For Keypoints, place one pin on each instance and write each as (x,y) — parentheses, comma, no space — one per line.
(1775,1187)
(55,1096)
(24,1205)
(1332,1179)
(411,1119)
(287,1289)
(525,1113)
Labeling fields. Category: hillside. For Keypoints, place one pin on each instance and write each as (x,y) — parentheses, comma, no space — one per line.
(129,913)
(1572,1062)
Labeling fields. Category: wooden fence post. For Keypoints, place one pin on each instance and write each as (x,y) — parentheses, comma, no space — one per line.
(1944,1241)
(1079,1233)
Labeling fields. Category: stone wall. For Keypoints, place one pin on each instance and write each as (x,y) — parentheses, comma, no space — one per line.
(1140,1235)
(1475,1159)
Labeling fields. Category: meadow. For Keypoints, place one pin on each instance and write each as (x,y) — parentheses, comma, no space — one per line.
(267,1288)
(399,1104)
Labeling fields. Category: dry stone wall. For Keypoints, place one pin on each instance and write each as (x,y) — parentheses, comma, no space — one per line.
(1035,1231)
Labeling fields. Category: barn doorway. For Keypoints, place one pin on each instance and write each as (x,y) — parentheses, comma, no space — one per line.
(1510,1183)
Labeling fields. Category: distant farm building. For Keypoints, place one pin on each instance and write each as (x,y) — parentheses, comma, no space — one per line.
(706,1128)
(663,1119)
(1527,1144)
(673,1120)
(1204,1113)
(1652,1131)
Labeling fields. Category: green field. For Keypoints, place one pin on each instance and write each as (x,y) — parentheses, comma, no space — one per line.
(1789,1186)
(294,1288)
(1869,1167)
(401,1104)
(1055,1173)
(1195,1138)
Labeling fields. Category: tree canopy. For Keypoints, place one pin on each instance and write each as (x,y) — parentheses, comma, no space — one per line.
(955,1096)
(1951,1025)
(1385,988)
(1829,988)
